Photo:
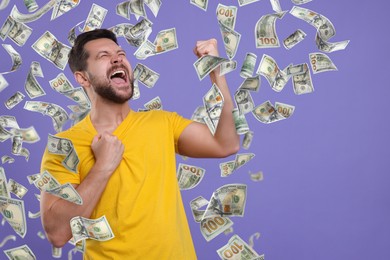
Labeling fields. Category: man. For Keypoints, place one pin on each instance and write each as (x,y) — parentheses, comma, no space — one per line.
(127,168)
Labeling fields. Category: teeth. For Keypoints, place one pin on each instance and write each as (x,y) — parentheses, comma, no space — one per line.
(118,72)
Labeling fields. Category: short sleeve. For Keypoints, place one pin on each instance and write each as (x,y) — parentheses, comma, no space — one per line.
(53,164)
(179,123)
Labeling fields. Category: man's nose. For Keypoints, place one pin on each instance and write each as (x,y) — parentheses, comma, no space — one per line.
(116,58)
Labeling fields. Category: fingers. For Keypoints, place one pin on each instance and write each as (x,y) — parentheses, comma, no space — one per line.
(206,47)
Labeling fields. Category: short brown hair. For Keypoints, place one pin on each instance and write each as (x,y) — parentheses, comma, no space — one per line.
(78,56)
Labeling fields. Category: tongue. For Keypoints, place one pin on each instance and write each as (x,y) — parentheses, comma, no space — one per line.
(118,80)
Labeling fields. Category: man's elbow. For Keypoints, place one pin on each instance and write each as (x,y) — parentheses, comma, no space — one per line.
(233,148)
(56,240)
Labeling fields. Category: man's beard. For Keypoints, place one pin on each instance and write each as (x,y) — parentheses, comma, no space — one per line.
(106,91)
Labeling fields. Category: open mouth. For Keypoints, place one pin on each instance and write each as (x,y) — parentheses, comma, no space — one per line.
(118,77)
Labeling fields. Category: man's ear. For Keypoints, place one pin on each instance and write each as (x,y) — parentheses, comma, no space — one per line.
(81,78)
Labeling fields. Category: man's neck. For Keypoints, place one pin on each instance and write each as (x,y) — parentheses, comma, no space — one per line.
(107,117)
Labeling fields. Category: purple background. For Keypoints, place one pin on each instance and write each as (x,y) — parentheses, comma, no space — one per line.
(325,190)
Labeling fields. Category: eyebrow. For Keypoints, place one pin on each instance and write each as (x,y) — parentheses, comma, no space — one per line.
(104,51)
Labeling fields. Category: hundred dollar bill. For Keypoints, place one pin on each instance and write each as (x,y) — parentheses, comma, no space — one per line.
(32,87)
(154,104)
(285,110)
(79,96)
(61,84)
(247,140)
(146,50)
(26,18)
(21,252)
(323,25)
(195,205)
(227,67)
(4,4)
(246,2)
(231,40)
(18,32)
(25,153)
(268,68)
(212,227)
(98,229)
(248,66)
(302,83)
(46,181)
(202,4)
(58,145)
(4,192)
(17,142)
(72,33)
(136,35)
(51,49)
(71,161)
(31,5)
(199,113)
(256,176)
(13,212)
(166,40)
(145,75)
(266,113)
(325,46)
(300,2)
(227,15)
(213,101)
(207,63)
(237,248)
(57,113)
(244,101)
(241,159)
(228,200)
(3,83)
(137,8)
(320,62)
(265,31)
(62,7)
(122,9)
(7,159)
(293,39)
(14,100)
(154,6)
(7,121)
(67,192)
(4,134)
(240,122)
(15,56)
(33,177)
(16,188)
(226,168)
(95,18)
(56,252)
(276,6)
(136,91)
(251,84)
(189,176)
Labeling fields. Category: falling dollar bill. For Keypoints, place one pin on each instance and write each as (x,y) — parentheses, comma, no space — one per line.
(97,229)
(95,18)
(3,83)
(26,18)
(202,4)
(16,188)
(52,50)
(301,2)
(240,122)
(13,100)
(237,248)
(13,212)
(154,104)
(320,62)
(18,32)
(244,101)
(122,9)
(189,176)
(248,66)
(246,2)
(145,75)
(326,46)
(58,145)
(231,40)
(227,15)
(213,101)
(228,200)
(207,63)
(4,192)
(251,83)
(265,31)
(266,113)
(21,252)
(293,39)
(63,7)
(256,176)
(302,82)
(32,87)
(212,227)
(15,56)
(166,40)
(283,109)
(247,140)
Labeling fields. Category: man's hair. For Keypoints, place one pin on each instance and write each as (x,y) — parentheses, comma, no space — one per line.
(78,55)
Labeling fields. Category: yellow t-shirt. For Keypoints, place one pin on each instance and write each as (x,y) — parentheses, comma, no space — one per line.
(142,200)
